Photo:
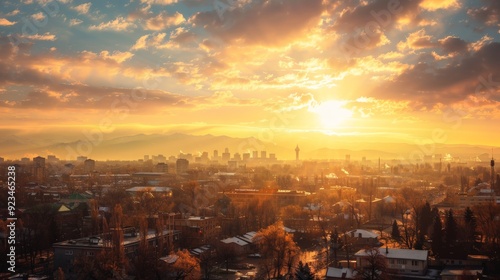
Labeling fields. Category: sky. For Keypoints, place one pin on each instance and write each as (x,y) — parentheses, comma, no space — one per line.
(409,71)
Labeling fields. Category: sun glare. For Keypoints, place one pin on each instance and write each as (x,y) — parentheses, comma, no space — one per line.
(332,114)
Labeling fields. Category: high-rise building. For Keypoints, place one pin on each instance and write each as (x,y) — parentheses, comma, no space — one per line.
(216,155)
(181,166)
(1,160)
(161,158)
(246,156)
(146,157)
(226,155)
(161,167)
(255,154)
(237,157)
(52,159)
(39,169)
(89,166)
(297,150)
(263,154)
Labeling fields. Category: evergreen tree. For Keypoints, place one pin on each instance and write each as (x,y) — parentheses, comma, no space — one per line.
(304,272)
(437,235)
(395,234)
(451,231)
(425,218)
(470,223)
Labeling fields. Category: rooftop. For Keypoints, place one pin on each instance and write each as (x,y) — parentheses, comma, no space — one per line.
(395,253)
(364,233)
(342,273)
(234,240)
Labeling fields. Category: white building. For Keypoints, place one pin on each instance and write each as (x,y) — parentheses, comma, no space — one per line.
(399,261)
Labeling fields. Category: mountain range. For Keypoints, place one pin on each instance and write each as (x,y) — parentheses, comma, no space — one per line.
(136,146)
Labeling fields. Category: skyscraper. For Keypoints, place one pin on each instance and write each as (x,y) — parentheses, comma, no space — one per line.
(39,169)
(226,155)
(297,150)
(181,166)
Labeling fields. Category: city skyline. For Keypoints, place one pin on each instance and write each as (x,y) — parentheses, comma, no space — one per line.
(315,73)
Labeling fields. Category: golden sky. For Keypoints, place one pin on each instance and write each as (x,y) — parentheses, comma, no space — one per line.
(380,70)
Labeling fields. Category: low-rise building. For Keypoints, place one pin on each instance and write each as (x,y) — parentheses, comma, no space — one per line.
(197,230)
(360,238)
(66,252)
(399,261)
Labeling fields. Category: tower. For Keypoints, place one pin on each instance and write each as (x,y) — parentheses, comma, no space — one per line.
(492,164)
(297,150)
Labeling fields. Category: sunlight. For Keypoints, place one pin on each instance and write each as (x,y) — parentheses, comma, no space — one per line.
(332,114)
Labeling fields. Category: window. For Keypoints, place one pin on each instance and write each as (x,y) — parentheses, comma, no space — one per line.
(68,252)
(90,254)
(414,263)
(401,261)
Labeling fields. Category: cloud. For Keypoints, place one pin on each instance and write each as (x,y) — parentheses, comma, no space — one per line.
(6,22)
(47,36)
(452,44)
(164,20)
(150,40)
(118,24)
(488,14)
(74,22)
(270,23)
(159,2)
(116,56)
(417,40)
(376,15)
(13,13)
(293,102)
(180,36)
(430,83)
(38,16)
(82,8)
(433,5)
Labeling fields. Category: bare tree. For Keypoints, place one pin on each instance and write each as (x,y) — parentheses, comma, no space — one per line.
(373,266)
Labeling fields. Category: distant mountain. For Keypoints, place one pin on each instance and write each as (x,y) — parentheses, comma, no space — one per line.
(136,146)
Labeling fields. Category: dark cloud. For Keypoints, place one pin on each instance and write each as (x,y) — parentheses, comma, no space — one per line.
(488,14)
(363,26)
(428,83)
(273,22)
(452,44)
(380,13)
(47,90)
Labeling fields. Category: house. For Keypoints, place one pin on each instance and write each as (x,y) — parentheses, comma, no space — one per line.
(334,273)
(241,244)
(399,261)
(236,245)
(360,238)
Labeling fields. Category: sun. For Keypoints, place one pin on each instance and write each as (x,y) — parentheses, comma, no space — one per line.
(332,113)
